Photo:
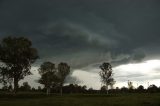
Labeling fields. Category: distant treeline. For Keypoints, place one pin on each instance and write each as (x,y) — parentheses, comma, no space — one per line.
(74,88)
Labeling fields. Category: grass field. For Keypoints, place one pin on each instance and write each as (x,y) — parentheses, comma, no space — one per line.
(145,99)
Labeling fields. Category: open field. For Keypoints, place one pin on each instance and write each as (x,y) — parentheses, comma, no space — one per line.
(134,99)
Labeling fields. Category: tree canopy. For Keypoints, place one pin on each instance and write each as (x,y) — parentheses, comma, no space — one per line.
(63,71)
(48,75)
(16,57)
(106,75)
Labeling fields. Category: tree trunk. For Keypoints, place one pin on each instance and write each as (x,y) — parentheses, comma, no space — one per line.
(48,91)
(107,88)
(61,88)
(15,85)
(61,91)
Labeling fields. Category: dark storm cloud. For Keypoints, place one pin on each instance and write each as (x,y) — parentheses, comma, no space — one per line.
(85,32)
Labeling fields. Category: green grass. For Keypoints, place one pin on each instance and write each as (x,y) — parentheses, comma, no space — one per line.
(152,99)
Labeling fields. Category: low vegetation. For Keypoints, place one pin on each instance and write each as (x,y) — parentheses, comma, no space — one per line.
(127,99)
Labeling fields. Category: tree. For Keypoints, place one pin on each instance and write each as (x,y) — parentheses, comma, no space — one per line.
(84,88)
(106,75)
(103,89)
(16,57)
(152,88)
(130,85)
(140,88)
(124,89)
(71,88)
(25,87)
(39,88)
(63,71)
(33,89)
(48,75)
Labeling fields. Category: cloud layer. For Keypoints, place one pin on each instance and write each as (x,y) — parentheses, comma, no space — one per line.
(85,32)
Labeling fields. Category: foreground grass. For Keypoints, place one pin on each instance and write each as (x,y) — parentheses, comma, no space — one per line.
(152,99)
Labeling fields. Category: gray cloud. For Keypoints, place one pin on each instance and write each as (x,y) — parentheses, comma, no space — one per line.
(85,32)
(72,80)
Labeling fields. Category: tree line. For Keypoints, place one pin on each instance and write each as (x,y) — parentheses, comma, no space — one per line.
(75,88)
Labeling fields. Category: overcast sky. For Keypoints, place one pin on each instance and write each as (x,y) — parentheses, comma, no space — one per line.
(86,33)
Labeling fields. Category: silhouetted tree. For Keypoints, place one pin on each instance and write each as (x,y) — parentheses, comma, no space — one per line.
(103,89)
(63,71)
(91,90)
(124,89)
(140,88)
(25,87)
(39,88)
(48,75)
(84,88)
(74,88)
(152,88)
(33,89)
(16,56)
(117,88)
(106,75)
(71,88)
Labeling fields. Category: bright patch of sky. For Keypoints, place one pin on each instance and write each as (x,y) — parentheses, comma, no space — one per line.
(139,73)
